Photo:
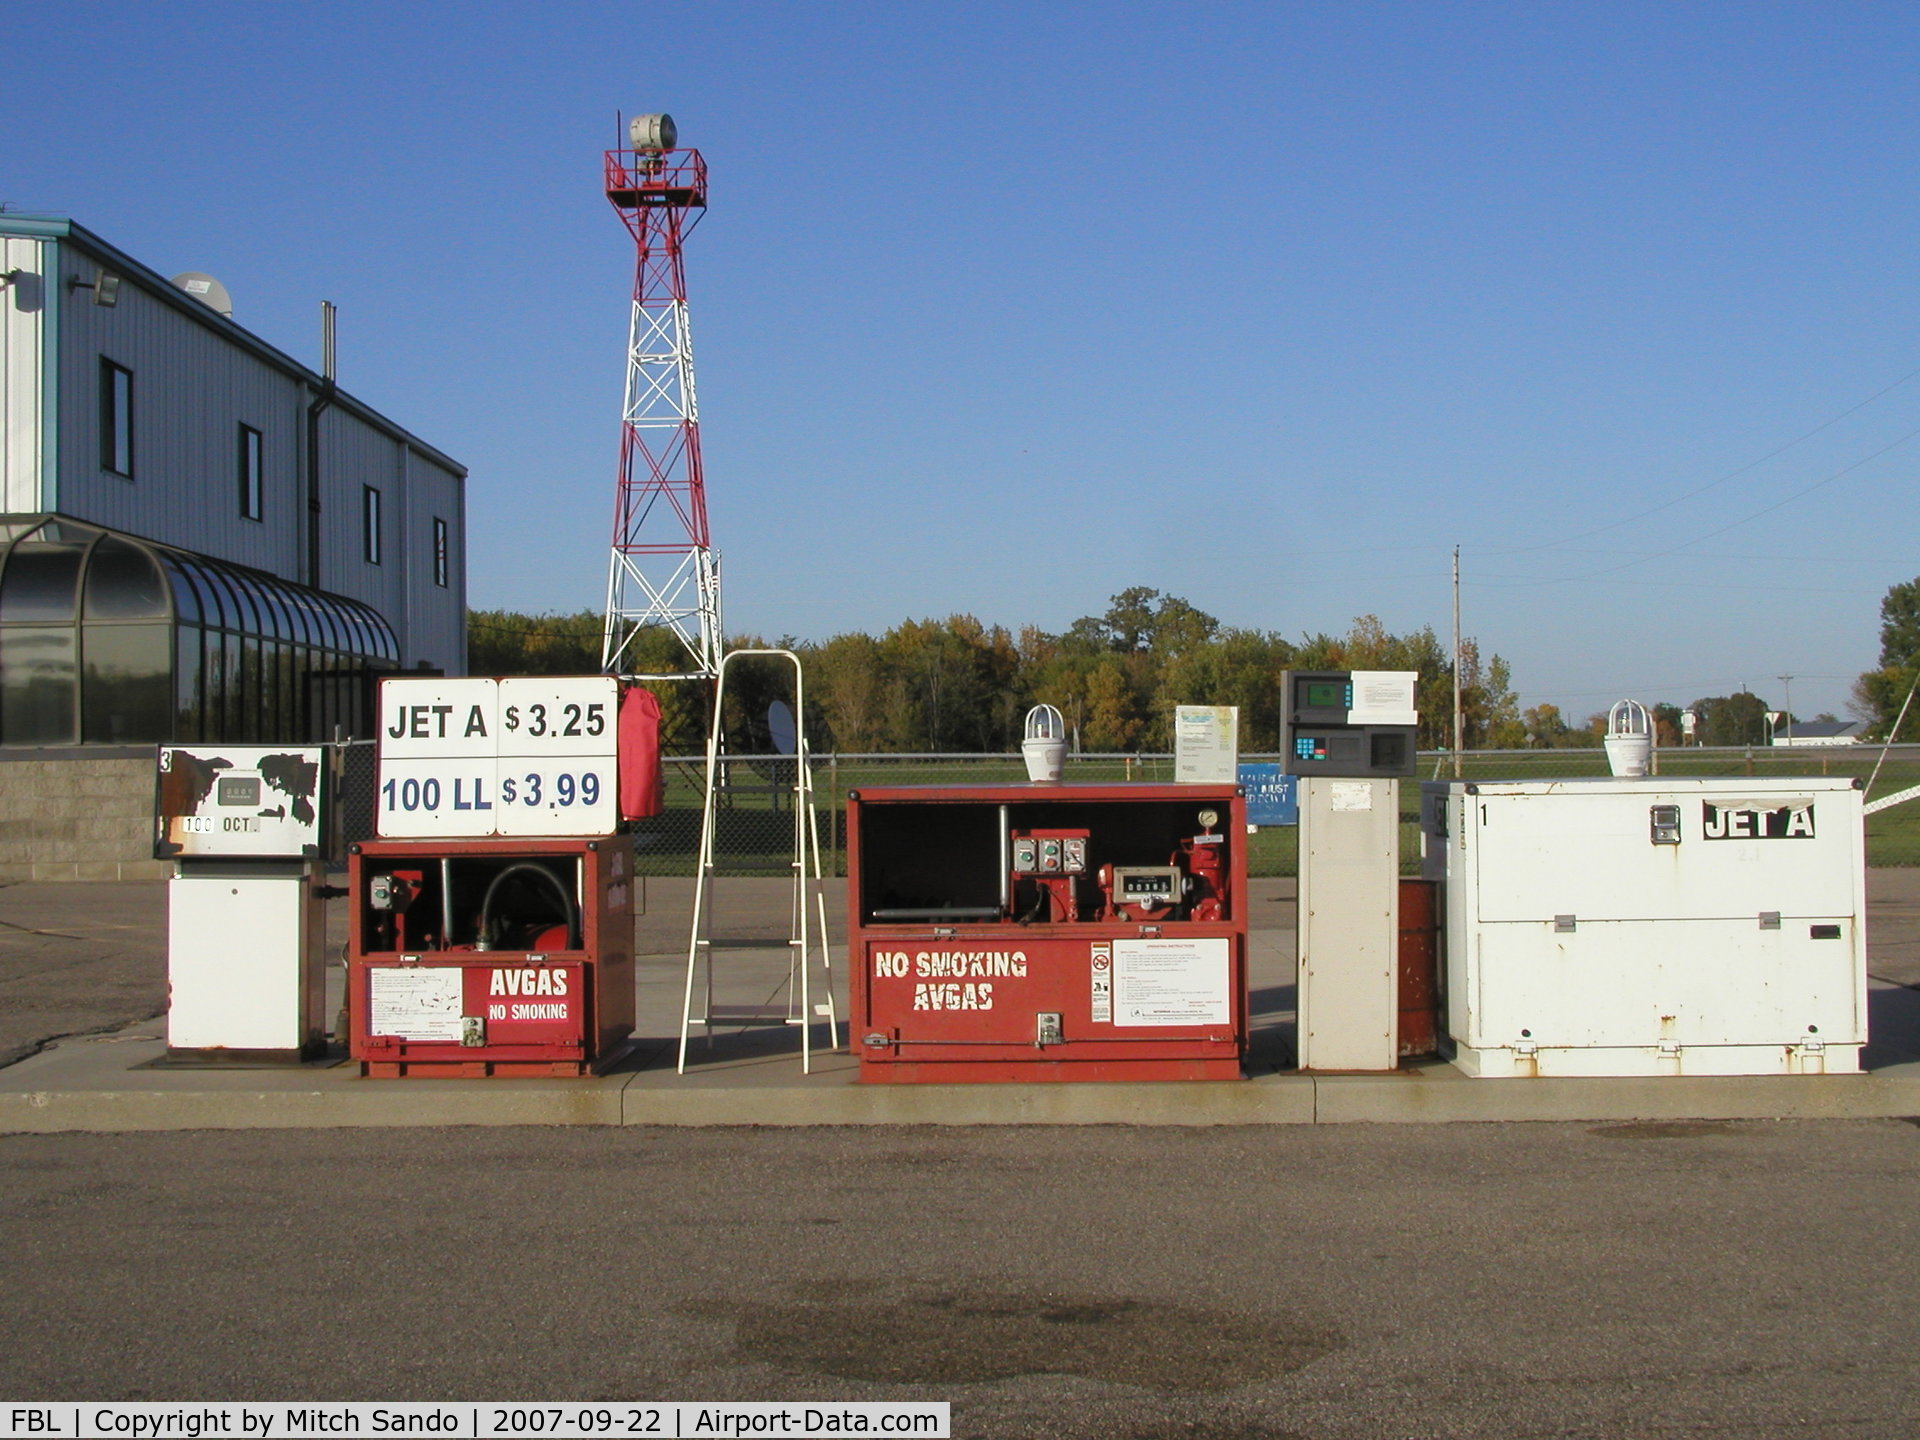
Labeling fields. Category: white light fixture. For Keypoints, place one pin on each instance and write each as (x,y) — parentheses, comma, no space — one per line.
(106,288)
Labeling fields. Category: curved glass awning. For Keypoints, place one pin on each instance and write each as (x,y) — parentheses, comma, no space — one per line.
(110,638)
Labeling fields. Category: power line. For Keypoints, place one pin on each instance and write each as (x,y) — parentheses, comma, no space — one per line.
(1720,480)
(1735,525)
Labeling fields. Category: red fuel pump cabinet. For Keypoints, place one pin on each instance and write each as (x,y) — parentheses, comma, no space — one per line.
(490,956)
(1048,932)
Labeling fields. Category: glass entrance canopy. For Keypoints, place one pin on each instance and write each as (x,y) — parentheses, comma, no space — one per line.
(109,639)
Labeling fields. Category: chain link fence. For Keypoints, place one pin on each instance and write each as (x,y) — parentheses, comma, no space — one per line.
(354,800)
(755,821)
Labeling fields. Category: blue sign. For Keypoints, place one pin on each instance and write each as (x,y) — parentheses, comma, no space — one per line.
(1272,796)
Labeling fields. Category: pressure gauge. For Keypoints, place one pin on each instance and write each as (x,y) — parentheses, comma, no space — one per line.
(1209,819)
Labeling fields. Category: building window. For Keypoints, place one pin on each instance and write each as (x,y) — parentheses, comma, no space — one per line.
(370,524)
(441,565)
(250,472)
(116,418)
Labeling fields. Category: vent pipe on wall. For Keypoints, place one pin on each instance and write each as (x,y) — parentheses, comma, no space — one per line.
(320,403)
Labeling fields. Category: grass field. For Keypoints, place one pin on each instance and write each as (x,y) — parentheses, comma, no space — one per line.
(755,830)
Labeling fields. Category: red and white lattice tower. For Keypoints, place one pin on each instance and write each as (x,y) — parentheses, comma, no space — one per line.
(663,574)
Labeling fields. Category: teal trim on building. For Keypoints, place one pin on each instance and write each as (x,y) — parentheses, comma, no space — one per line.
(44,227)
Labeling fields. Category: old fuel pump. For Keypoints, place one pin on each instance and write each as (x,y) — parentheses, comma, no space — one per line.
(1048,932)
(250,830)
(492,920)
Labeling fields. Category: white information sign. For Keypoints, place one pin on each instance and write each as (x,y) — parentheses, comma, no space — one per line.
(433,718)
(1172,982)
(1206,744)
(1102,996)
(414,1002)
(448,796)
(557,715)
(561,796)
(1351,796)
(1383,697)
(531,755)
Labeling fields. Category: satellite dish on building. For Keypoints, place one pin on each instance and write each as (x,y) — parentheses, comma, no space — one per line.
(786,735)
(207,290)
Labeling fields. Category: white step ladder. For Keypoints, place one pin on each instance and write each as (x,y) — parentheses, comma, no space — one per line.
(807,921)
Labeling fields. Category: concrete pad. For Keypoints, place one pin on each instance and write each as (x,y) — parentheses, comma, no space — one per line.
(832,1100)
(57,938)
(99,1083)
(1439,1093)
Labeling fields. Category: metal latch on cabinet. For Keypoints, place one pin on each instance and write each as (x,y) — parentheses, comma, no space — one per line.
(1664,823)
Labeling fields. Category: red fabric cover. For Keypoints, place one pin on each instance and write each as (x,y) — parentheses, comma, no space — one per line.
(642,782)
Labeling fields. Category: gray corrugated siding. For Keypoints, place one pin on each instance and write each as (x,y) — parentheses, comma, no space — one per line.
(191,393)
(193,389)
(413,490)
(440,628)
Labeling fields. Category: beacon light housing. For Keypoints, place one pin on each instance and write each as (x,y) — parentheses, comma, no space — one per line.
(653,134)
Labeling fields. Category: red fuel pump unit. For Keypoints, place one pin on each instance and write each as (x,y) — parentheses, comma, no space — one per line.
(491,957)
(492,921)
(1048,932)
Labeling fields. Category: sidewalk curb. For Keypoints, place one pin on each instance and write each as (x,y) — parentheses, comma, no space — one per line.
(342,1100)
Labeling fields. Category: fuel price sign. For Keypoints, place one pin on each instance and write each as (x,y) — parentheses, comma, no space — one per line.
(523,756)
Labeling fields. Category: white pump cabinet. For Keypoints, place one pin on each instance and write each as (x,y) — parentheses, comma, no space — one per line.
(1653,926)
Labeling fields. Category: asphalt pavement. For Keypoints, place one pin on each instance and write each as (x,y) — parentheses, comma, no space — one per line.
(1652,1274)
(79,960)
(1642,1279)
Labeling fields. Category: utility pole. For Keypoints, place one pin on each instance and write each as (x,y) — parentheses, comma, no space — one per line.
(1458,727)
(1787,680)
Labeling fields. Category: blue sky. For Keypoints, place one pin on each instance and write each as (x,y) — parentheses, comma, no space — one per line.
(1002,308)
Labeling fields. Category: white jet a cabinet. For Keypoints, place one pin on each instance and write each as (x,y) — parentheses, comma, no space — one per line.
(1653,926)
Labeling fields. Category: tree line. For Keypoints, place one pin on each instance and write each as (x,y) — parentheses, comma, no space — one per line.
(958,685)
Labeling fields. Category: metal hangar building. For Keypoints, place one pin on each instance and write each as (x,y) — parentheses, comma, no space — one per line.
(201,539)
